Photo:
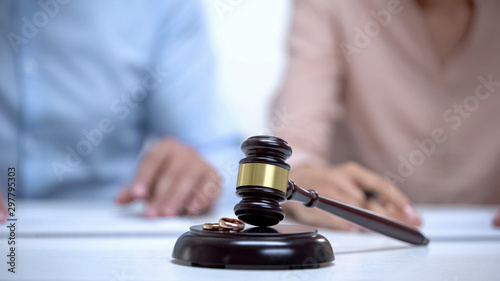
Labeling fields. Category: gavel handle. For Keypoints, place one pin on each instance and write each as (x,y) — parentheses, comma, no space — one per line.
(359,216)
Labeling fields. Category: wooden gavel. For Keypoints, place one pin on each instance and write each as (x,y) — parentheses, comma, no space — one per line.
(263,185)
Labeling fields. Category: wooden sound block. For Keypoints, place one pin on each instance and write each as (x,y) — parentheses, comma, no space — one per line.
(278,247)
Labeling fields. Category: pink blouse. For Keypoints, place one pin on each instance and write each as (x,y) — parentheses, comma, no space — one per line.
(365,83)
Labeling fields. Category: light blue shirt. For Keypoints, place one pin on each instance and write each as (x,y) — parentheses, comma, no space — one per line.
(83,85)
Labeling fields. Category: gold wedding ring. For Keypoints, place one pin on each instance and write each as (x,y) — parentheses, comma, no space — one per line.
(225,224)
(213,226)
(232,224)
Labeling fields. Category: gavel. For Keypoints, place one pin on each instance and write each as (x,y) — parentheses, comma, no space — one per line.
(263,186)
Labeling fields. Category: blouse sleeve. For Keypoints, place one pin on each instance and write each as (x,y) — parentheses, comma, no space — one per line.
(308,102)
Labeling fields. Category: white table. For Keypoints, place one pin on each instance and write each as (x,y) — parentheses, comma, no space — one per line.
(99,241)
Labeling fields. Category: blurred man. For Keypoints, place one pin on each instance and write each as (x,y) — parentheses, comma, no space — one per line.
(405,92)
(85,83)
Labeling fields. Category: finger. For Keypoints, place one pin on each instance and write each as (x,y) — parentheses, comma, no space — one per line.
(150,167)
(376,207)
(173,171)
(127,196)
(150,211)
(3,209)
(371,181)
(318,218)
(409,216)
(337,223)
(183,186)
(390,212)
(346,189)
(185,180)
(325,220)
(496,221)
(203,200)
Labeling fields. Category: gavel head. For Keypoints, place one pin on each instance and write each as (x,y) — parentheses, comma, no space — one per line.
(262,180)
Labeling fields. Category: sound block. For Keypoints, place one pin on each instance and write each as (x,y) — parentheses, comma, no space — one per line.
(278,247)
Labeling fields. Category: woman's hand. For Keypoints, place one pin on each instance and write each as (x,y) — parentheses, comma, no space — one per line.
(173,180)
(347,183)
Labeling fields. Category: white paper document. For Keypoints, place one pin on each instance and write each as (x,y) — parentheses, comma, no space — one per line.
(459,222)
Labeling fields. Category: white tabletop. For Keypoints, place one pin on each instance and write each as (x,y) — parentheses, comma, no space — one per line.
(99,241)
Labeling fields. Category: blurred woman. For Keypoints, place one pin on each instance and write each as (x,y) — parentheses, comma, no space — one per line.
(396,100)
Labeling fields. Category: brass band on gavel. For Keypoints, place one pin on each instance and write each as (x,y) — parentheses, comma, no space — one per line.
(265,175)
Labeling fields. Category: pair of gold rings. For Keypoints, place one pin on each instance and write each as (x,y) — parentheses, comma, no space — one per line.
(225,224)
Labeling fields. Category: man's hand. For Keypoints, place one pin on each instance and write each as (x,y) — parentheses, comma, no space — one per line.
(496,221)
(348,183)
(3,209)
(173,180)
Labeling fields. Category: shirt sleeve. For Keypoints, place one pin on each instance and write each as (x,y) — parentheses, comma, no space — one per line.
(185,104)
(309,101)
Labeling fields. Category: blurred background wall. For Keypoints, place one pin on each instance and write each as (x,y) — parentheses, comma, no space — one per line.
(250,42)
